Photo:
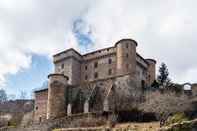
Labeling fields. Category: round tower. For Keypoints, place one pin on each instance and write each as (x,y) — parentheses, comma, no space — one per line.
(151,72)
(56,96)
(126,57)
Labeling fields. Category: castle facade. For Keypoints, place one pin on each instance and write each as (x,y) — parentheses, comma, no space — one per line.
(84,83)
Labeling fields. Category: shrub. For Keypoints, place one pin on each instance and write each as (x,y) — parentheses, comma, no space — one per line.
(177,118)
(12,123)
(56,129)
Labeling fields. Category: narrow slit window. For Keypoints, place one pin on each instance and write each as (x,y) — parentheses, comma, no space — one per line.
(95,75)
(110,61)
(110,71)
(95,64)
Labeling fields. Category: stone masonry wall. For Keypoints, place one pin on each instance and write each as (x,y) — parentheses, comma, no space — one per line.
(40,108)
(81,68)
(88,68)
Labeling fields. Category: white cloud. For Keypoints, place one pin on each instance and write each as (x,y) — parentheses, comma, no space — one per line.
(165,30)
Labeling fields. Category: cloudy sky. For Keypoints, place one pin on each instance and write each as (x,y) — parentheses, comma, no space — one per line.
(31,31)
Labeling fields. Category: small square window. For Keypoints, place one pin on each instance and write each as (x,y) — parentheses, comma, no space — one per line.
(95,64)
(95,75)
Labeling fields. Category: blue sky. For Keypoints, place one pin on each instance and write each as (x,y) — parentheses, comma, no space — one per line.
(29,79)
(35,77)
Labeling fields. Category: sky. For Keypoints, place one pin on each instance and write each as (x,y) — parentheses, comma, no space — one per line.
(31,31)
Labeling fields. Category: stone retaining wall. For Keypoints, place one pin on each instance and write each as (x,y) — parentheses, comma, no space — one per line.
(7,129)
(78,120)
(95,129)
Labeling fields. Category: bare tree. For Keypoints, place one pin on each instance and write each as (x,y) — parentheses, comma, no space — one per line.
(165,104)
(126,95)
(12,97)
(3,95)
(23,95)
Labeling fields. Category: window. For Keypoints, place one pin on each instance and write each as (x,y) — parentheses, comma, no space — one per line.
(127,45)
(40,119)
(127,66)
(86,67)
(95,75)
(36,108)
(62,66)
(127,55)
(109,71)
(86,77)
(95,64)
(110,61)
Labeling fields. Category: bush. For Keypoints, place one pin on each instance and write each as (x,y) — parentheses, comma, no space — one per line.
(12,124)
(177,118)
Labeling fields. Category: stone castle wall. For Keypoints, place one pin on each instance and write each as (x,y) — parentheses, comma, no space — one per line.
(81,68)
(40,108)
(88,69)
(99,67)
(151,71)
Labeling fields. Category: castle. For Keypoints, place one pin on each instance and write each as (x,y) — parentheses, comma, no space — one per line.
(84,83)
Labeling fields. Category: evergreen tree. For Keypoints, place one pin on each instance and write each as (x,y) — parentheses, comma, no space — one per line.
(163,78)
(155,85)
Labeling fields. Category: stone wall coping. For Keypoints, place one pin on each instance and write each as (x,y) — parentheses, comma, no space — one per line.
(152,60)
(58,74)
(126,40)
(71,49)
(41,90)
